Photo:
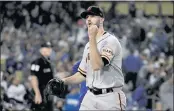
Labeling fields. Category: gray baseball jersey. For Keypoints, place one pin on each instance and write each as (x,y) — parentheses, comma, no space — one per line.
(111,74)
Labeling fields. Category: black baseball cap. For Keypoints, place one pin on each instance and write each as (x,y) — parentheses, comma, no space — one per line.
(92,10)
(46,44)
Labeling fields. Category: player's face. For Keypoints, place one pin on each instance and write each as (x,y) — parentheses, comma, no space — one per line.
(92,19)
(46,51)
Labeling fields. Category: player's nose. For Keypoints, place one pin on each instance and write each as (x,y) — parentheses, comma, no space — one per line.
(89,20)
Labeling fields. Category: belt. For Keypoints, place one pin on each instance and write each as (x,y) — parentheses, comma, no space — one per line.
(96,91)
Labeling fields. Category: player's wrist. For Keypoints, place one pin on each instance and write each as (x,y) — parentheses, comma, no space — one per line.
(64,80)
(92,36)
(37,92)
(92,40)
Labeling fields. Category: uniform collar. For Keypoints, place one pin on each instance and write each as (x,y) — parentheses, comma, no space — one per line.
(103,36)
(46,59)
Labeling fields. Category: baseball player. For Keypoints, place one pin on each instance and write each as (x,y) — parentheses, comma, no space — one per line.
(100,66)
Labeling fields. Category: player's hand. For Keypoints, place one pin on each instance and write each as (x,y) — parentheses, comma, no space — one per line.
(38,99)
(92,31)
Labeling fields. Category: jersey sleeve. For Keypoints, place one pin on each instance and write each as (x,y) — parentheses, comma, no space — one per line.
(83,64)
(34,68)
(109,50)
(75,67)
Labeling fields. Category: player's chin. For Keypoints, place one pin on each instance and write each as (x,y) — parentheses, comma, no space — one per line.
(88,25)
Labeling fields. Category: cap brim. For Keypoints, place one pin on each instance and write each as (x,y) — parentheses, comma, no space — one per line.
(46,46)
(85,13)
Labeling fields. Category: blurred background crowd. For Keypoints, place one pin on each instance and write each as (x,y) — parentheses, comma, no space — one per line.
(145,30)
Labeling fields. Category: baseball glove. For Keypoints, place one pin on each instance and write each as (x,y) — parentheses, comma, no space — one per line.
(54,87)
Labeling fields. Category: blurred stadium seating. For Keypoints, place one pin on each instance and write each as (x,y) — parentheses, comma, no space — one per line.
(145,30)
(150,8)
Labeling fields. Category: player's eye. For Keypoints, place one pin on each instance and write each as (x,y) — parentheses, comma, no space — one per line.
(87,16)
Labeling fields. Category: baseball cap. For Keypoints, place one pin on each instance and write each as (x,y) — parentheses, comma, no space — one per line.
(46,44)
(92,10)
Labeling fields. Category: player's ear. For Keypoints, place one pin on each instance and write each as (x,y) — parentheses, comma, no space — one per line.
(102,19)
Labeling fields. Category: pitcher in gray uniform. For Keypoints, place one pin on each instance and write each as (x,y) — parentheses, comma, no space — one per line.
(100,66)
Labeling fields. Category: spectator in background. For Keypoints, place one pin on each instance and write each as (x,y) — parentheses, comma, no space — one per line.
(72,99)
(132,9)
(3,80)
(16,93)
(5,43)
(140,96)
(169,48)
(131,65)
(138,34)
(61,70)
(111,12)
(81,37)
(154,80)
(145,71)
(11,64)
(167,25)
(153,77)
(166,94)
(160,40)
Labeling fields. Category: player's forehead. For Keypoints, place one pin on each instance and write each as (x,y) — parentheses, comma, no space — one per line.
(46,48)
(93,16)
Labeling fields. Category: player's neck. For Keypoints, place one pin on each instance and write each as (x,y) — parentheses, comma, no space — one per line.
(100,33)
